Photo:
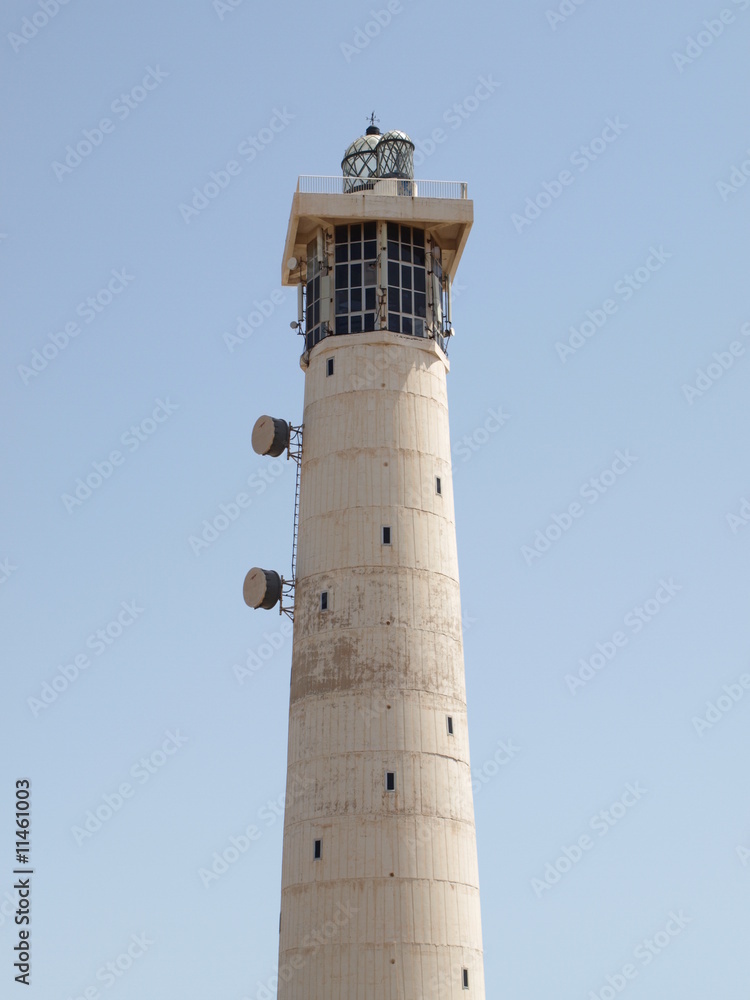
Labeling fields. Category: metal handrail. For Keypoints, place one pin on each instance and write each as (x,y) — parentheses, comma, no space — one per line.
(320,184)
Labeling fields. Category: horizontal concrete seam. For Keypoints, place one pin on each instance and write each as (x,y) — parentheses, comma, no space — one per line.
(368,690)
(436,382)
(331,630)
(395,691)
(429,754)
(384,507)
(416,571)
(385,879)
(468,824)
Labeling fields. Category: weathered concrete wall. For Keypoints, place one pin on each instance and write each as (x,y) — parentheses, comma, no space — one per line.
(391,909)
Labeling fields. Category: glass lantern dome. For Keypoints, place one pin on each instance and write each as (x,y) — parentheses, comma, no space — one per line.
(395,153)
(374,157)
(360,161)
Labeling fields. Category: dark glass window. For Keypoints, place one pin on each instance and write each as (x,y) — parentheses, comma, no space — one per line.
(312,297)
(407,281)
(351,279)
(450,725)
(390,781)
(329,367)
(386,535)
(356,297)
(316,850)
(324,600)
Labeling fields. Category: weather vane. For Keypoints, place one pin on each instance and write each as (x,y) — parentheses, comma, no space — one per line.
(373,119)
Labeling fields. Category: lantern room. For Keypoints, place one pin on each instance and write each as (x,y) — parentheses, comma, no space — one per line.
(375,249)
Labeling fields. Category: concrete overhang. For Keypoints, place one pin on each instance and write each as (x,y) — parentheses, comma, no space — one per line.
(450,219)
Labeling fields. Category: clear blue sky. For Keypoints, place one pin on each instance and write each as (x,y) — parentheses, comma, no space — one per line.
(604,154)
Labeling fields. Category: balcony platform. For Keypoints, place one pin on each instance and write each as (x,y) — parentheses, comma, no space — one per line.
(442,207)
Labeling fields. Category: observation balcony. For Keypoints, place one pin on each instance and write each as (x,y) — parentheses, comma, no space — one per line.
(443,208)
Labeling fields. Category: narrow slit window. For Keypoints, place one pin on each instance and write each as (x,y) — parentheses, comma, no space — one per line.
(390,781)
(438,485)
(324,600)
(329,371)
(316,850)
(450,725)
(386,535)
(465,978)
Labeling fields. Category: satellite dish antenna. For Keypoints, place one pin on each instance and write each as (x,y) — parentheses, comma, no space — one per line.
(262,588)
(270,436)
(292,263)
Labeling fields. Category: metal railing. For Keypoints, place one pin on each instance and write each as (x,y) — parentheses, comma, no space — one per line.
(313,184)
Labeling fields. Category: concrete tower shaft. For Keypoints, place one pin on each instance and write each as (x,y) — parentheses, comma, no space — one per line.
(375,678)
(380,892)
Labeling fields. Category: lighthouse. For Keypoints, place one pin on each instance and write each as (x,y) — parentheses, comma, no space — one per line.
(380,889)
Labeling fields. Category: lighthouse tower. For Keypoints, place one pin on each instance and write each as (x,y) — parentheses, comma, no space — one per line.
(380,892)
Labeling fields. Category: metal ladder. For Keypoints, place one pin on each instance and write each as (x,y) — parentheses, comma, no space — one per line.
(294,450)
(295,530)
